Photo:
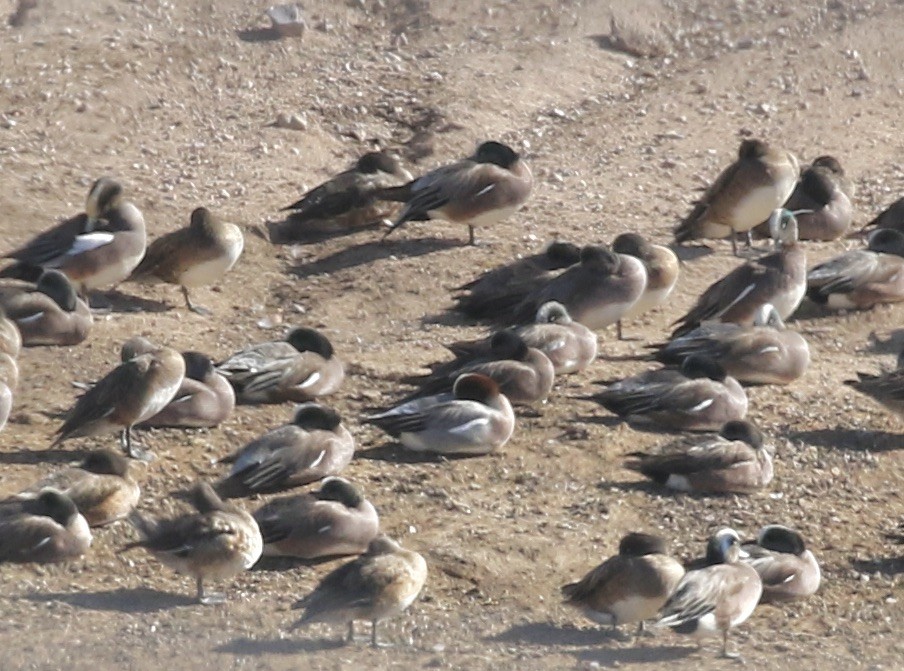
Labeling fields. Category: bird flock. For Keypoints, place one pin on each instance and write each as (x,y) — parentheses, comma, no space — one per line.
(546,310)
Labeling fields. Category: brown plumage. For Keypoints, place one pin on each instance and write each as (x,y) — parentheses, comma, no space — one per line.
(736,461)
(571,347)
(629,587)
(49,314)
(861,278)
(346,202)
(743,195)
(482,189)
(314,446)
(46,529)
(132,392)
(887,388)
(381,583)
(96,249)
(300,368)
(217,542)
(506,286)
(821,201)
(765,353)
(336,520)
(195,256)
(789,570)
(524,374)
(101,487)
(779,279)
(713,600)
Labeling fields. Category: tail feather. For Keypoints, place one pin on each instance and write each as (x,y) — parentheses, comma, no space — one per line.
(22,271)
(146,527)
(397,194)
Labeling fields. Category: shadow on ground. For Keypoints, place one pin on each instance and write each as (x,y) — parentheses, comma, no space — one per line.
(843,438)
(606,645)
(123,600)
(368,252)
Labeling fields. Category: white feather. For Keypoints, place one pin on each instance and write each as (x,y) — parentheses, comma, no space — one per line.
(89,241)
(467,427)
(312,379)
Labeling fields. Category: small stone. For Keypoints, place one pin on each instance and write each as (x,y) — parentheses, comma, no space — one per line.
(287,20)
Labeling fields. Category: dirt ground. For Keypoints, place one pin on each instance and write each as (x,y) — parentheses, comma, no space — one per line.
(177,100)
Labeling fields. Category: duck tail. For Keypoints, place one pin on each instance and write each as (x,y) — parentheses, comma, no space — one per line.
(146,527)
(397,194)
(22,271)
(688,228)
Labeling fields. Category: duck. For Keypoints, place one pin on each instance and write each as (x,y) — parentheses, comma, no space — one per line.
(662,267)
(333,521)
(6,404)
(861,278)
(205,398)
(45,530)
(887,387)
(301,368)
(507,285)
(779,279)
(765,353)
(130,394)
(743,195)
(698,396)
(891,217)
(476,418)
(380,584)
(10,338)
(346,202)
(101,487)
(9,379)
(50,314)
(217,542)
(525,375)
(822,199)
(95,250)
(314,446)
(738,460)
(628,587)
(195,256)
(570,346)
(789,570)
(713,600)
(9,371)
(597,292)
(480,190)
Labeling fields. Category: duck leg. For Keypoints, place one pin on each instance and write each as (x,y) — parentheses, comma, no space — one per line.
(374,641)
(734,243)
(350,637)
(132,450)
(471,240)
(725,653)
(618,330)
(197,309)
(210,599)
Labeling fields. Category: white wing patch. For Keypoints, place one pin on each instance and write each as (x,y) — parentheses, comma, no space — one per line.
(703,405)
(467,427)
(313,378)
(30,318)
(556,345)
(89,241)
(740,297)
(769,349)
(319,458)
(484,190)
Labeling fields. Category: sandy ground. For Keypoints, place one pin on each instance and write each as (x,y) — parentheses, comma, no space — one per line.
(177,101)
